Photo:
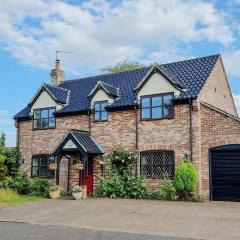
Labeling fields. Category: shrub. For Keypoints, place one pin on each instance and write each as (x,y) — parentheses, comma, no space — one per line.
(112,187)
(134,186)
(185,180)
(53,188)
(120,160)
(19,183)
(39,187)
(7,194)
(167,191)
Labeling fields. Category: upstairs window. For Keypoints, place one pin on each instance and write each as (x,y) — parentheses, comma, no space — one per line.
(100,113)
(44,118)
(40,166)
(157,106)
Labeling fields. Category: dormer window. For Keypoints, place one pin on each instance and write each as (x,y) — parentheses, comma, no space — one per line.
(158,106)
(100,113)
(44,118)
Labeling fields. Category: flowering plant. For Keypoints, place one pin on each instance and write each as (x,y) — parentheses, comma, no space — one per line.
(77,166)
(54,188)
(52,166)
(77,189)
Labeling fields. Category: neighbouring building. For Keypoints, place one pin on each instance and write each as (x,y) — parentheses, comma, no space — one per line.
(166,113)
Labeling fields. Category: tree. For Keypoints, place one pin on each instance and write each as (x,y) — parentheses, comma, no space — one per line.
(122,66)
(9,158)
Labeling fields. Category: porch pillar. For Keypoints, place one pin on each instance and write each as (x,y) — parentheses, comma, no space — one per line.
(58,168)
(84,168)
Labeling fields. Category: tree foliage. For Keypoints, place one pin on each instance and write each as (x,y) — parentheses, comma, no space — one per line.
(9,158)
(122,66)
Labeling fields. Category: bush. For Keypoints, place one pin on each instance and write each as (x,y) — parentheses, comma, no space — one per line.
(167,191)
(185,180)
(19,183)
(40,187)
(7,194)
(134,186)
(111,187)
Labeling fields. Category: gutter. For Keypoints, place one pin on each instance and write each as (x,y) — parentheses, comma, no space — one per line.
(190,130)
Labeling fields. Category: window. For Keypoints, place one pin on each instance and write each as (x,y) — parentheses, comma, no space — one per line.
(157,164)
(44,118)
(157,106)
(100,113)
(40,166)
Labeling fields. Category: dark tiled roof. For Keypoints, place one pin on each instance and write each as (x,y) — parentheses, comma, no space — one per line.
(59,94)
(191,74)
(88,142)
(111,90)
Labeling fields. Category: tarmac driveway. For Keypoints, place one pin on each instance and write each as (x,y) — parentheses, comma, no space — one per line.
(211,220)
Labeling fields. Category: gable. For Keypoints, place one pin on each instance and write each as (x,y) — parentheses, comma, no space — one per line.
(216,90)
(45,100)
(156,84)
(101,95)
(70,145)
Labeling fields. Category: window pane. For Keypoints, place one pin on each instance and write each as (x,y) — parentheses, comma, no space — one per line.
(51,122)
(43,171)
(44,123)
(103,105)
(36,114)
(104,115)
(43,161)
(145,102)
(35,162)
(146,113)
(167,99)
(97,107)
(37,123)
(35,171)
(157,101)
(168,111)
(44,113)
(51,112)
(97,115)
(157,112)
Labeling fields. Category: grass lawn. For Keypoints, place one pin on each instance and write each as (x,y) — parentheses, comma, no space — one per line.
(19,199)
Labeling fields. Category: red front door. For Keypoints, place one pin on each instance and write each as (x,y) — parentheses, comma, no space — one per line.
(89,176)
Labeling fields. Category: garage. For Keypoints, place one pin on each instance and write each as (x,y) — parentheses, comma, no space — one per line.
(225,173)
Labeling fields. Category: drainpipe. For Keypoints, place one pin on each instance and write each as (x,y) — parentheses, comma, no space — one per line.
(190,130)
(89,121)
(136,135)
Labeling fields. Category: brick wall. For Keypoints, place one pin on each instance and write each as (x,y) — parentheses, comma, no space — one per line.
(32,142)
(216,90)
(217,128)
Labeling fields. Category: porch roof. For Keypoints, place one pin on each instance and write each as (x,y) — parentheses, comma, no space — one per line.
(82,141)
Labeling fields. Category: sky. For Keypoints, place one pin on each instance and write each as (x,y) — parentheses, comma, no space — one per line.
(99,33)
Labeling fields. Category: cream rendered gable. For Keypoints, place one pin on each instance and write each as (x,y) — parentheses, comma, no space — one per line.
(157,84)
(101,95)
(44,101)
(70,145)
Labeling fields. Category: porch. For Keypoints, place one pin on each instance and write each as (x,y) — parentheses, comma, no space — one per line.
(78,148)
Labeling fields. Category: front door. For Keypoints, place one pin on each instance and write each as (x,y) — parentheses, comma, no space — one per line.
(89,176)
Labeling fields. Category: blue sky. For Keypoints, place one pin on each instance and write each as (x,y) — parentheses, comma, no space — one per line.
(100,33)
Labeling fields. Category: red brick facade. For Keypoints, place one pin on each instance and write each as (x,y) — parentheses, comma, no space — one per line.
(210,127)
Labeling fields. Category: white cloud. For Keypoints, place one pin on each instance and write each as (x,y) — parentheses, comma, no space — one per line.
(3,113)
(232,61)
(101,33)
(237,103)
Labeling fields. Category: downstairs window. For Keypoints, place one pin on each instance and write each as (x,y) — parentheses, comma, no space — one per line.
(40,166)
(157,164)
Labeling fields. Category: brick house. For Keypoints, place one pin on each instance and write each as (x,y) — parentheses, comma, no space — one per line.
(166,113)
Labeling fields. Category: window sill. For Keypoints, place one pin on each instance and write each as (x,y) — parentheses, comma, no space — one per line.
(156,119)
(41,129)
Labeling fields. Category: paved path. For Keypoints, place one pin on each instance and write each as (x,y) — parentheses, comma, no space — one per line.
(211,220)
(24,231)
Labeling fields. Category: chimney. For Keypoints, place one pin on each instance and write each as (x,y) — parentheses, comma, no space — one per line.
(57,75)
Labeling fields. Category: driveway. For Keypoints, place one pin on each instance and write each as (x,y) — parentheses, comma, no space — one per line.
(211,220)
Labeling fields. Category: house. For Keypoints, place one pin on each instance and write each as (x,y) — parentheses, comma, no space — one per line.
(166,113)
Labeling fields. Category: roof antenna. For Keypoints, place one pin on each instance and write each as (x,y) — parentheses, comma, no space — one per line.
(59,51)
